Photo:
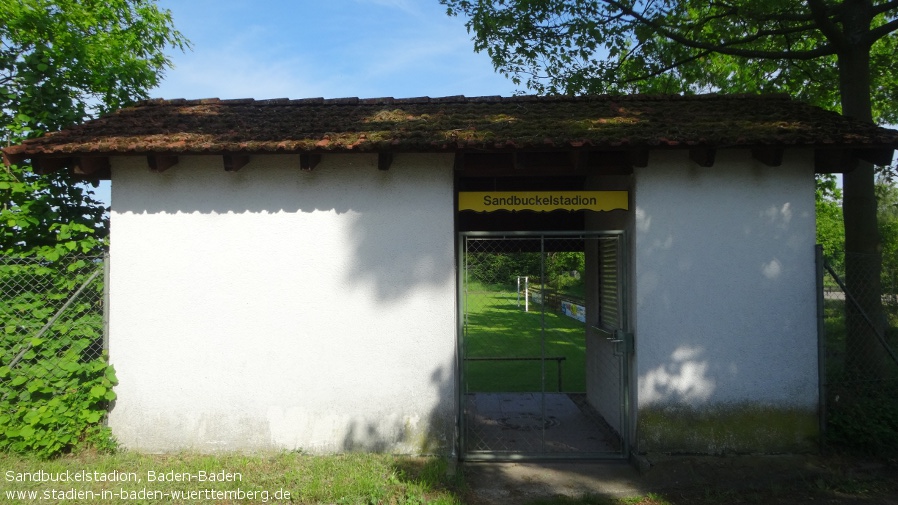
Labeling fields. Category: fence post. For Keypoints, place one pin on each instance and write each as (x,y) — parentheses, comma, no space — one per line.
(821,342)
(106,301)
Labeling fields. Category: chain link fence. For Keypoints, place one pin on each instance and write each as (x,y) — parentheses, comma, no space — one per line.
(860,353)
(51,337)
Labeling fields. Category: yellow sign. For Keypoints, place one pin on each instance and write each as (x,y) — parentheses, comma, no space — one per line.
(542,201)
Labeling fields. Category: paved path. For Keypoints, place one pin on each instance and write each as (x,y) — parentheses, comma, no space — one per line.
(503,483)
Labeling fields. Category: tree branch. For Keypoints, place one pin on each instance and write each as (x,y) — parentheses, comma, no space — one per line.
(666,68)
(725,48)
(881,8)
(881,31)
(826,26)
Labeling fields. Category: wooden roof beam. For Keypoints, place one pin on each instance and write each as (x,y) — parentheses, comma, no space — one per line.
(13,159)
(308,161)
(703,156)
(44,166)
(92,168)
(234,162)
(876,156)
(90,165)
(834,161)
(638,157)
(384,160)
(161,162)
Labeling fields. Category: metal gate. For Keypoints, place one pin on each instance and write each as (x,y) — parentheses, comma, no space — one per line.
(543,345)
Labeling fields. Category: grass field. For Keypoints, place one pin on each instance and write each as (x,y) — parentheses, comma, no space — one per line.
(374,479)
(275,478)
(497,327)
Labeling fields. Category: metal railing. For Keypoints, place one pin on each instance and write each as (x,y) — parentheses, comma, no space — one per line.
(558,360)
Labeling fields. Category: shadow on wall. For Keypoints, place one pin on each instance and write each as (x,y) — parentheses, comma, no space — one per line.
(725,309)
(399,223)
(298,245)
(725,289)
(435,435)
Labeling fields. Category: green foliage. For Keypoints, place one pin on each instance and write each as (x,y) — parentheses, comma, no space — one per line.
(887,205)
(830,226)
(565,272)
(55,382)
(49,215)
(607,46)
(62,61)
(503,269)
(865,424)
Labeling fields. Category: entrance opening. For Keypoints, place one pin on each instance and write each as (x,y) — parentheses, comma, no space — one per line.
(543,351)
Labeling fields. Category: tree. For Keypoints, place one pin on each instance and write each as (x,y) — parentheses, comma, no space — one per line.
(837,54)
(830,225)
(887,196)
(62,61)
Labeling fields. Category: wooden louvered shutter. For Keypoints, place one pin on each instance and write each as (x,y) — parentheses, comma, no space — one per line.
(609,283)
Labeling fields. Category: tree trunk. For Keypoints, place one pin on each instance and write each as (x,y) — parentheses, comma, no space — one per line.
(864,356)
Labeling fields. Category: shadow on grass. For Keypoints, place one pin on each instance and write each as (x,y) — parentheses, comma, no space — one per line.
(431,480)
(496,327)
(776,480)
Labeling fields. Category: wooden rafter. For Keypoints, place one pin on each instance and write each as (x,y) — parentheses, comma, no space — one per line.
(384,160)
(90,165)
(832,161)
(160,162)
(308,161)
(703,156)
(234,162)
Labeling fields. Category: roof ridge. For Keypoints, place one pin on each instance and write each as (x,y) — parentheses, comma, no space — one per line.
(645,97)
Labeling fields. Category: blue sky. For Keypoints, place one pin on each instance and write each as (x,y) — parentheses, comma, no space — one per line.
(332,49)
(323,48)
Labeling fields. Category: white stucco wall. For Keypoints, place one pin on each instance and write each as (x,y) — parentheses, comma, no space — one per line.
(725,291)
(279,309)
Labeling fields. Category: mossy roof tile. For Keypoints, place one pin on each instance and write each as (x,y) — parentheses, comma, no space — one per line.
(458,123)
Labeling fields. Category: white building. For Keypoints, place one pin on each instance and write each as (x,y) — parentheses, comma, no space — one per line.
(290,274)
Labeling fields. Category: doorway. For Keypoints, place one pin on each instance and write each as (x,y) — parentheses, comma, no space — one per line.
(543,345)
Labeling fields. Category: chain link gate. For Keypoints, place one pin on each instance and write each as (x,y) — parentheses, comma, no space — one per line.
(543,368)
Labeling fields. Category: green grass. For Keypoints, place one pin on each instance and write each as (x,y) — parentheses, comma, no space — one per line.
(349,478)
(397,480)
(497,327)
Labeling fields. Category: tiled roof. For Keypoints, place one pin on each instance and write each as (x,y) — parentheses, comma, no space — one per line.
(457,123)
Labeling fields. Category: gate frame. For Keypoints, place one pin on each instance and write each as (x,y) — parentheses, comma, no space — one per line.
(629,347)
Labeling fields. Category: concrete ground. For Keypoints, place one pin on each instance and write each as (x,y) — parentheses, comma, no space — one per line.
(521,482)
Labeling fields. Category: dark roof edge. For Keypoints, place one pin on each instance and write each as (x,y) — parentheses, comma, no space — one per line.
(457,99)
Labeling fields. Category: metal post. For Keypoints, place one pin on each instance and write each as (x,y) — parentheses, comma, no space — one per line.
(106,302)
(821,341)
